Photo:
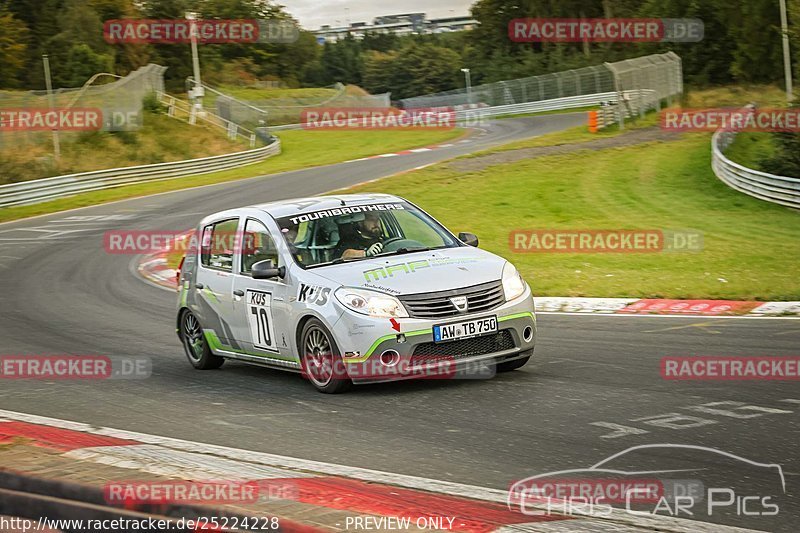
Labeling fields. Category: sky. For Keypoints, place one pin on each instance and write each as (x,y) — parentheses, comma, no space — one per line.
(314,13)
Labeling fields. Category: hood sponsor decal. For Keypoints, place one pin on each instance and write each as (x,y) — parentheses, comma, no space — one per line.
(411,267)
(380,288)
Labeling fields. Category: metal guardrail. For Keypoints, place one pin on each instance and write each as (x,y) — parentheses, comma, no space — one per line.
(553,104)
(41,190)
(471,115)
(177,107)
(781,190)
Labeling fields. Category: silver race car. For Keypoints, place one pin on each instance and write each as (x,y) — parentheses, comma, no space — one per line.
(350,289)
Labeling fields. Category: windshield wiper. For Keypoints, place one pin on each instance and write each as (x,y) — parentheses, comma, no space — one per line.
(337,261)
(408,250)
(399,251)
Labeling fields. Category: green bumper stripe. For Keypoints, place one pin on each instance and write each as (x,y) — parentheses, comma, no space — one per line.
(212,339)
(414,333)
(517,315)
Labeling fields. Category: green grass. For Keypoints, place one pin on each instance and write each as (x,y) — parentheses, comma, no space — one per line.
(301,149)
(312,94)
(751,148)
(159,140)
(751,248)
(735,95)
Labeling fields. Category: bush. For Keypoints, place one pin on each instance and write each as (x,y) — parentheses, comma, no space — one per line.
(151,104)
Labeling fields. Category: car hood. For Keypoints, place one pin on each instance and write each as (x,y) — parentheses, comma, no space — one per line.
(435,270)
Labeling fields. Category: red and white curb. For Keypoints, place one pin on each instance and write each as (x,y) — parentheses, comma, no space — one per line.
(430,148)
(412,151)
(358,490)
(665,307)
(154,268)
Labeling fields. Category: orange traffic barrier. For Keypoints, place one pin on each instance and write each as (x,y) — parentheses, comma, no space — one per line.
(593,121)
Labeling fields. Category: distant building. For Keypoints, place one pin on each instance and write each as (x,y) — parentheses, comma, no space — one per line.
(403,24)
(442,25)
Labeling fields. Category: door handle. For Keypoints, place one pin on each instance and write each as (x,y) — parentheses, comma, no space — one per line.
(238,292)
(199,286)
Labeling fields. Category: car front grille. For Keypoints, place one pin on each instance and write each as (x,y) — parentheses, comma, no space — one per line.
(433,305)
(431,352)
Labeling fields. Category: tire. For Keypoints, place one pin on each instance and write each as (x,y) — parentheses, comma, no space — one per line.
(508,366)
(195,345)
(321,359)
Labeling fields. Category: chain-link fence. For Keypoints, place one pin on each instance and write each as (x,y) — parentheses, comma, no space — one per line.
(588,80)
(119,102)
(641,83)
(288,110)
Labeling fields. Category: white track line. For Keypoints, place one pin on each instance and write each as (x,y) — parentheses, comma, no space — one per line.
(652,522)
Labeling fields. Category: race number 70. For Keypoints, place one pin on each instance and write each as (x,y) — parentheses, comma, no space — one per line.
(259,317)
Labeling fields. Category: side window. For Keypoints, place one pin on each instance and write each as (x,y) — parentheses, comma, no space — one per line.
(257,245)
(216,248)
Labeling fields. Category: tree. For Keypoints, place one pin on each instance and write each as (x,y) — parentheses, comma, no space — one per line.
(83,63)
(342,61)
(379,75)
(423,69)
(13,47)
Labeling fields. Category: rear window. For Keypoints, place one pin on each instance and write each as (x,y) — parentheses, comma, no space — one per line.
(217,245)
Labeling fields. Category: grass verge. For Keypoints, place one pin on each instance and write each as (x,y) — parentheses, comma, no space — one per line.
(301,149)
(750,247)
(159,140)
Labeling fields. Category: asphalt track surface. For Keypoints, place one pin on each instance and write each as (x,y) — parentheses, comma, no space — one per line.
(593,390)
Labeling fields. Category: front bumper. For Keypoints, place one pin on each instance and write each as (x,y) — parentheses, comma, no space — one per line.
(364,339)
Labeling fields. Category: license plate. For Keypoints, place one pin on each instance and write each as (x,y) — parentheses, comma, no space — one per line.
(465,330)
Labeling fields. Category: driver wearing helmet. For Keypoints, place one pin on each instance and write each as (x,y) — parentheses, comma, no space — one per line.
(365,238)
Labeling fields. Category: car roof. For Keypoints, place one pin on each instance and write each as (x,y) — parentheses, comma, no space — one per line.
(294,206)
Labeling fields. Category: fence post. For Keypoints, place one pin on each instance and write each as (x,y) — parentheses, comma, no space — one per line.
(620,96)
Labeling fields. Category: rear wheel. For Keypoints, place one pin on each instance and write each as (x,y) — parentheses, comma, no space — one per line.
(195,345)
(322,362)
(508,366)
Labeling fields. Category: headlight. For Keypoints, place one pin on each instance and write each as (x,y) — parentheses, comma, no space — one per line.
(513,284)
(371,303)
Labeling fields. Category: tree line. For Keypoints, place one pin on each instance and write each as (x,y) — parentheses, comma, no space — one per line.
(742,43)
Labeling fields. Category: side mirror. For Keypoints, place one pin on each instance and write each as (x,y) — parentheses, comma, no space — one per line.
(468,238)
(267,270)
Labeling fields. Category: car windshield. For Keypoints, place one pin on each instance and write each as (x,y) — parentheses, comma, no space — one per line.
(354,232)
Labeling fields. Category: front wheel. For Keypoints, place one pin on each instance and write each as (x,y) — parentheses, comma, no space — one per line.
(322,363)
(195,345)
(508,366)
